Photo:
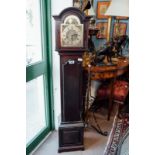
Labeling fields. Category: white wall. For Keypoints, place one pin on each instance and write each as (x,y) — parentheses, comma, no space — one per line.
(57,7)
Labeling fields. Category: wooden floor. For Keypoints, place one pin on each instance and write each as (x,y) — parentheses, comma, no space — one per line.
(94,143)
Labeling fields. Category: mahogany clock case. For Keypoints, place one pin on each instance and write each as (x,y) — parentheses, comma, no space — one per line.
(71,129)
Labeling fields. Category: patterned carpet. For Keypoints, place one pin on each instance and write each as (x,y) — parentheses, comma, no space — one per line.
(118,132)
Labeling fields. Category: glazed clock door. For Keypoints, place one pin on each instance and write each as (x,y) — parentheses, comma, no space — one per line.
(72,32)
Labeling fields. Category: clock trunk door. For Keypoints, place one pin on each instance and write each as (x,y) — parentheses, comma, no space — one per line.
(72,91)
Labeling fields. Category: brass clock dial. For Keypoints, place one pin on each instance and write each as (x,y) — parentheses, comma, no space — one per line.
(72,32)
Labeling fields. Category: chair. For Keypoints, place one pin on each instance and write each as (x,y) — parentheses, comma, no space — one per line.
(116,92)
(120,93)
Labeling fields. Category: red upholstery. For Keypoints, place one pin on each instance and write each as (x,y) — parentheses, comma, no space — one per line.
(120,91)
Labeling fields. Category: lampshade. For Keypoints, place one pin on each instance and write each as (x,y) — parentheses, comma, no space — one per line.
(118,8)
(91,11)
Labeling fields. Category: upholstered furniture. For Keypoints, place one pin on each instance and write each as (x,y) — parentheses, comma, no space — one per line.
(117,93)
(111,89)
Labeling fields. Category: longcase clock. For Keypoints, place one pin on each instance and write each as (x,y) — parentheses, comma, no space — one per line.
(71,41)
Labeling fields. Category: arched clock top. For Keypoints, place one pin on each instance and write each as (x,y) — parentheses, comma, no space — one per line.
(71,30)
(74,11)
(72,19)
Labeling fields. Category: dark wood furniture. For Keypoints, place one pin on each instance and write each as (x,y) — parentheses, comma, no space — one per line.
(72,24)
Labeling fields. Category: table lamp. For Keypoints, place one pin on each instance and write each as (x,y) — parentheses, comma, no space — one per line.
(117,8)
(93,30)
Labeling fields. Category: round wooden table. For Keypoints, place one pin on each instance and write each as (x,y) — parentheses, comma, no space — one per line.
(109,71)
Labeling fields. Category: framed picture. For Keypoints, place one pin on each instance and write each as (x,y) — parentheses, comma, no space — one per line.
(121,18)
(102,8)
(119,29)
(103,27)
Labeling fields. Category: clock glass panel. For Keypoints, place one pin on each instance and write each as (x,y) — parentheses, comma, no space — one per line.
(72,32)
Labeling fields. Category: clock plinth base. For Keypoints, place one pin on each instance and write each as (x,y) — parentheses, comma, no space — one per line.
(70,148)
(71,137)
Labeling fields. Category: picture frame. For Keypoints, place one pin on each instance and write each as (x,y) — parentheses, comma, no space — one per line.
(102,7)
(119,29)
(121,18)
(103,30)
